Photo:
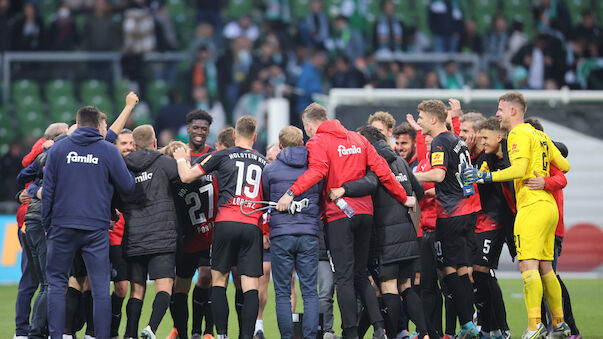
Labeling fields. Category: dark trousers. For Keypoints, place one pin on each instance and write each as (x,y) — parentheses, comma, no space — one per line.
(349,240)
(430,291)
(62,244)
(299,252)
(36,242)
(28,284)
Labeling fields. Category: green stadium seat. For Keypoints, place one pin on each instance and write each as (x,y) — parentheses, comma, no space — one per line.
(21,88)
(120,90)
(7,133)
(576,7)
(103,103)
(57,88)
(91,88)
(300,9)
(62,108)
(28,101)
(31,122)
(239,8)
(157,94)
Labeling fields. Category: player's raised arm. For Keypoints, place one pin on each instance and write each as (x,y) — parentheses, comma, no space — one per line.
(120,122)
(187,173)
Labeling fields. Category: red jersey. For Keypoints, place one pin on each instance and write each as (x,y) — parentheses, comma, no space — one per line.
(555,184)
(117,234)
(427,204)
(339,156)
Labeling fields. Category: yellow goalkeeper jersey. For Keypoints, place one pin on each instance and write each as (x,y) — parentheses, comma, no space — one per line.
(525,141)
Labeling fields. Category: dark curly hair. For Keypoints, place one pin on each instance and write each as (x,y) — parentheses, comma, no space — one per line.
(198,114)
(372,134)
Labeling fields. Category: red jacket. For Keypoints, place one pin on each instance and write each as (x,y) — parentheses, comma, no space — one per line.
(36,149)
(339,156)
(555,184)
(117,234)
(427,204)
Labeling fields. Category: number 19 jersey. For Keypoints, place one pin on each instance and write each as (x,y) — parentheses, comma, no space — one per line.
(239,173)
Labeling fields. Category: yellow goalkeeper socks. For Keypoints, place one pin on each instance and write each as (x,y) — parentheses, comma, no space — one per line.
(552,295)
(532,294)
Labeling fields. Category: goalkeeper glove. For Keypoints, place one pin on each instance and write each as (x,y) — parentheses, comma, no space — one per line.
(472,174)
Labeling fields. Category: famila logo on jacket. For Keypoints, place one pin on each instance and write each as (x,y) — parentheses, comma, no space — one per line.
(348,151)
(86,159)
(144,176)
(401,177)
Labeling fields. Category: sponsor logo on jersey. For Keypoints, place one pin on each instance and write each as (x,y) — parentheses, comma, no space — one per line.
(348,151)
(484,167)
(513,149)
(401,177)
(437,158)
(86,159)
(144,176)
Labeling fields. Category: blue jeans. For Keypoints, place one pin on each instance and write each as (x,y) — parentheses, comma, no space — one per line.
(27,287)
(63,243)
(36,241)
(299,252)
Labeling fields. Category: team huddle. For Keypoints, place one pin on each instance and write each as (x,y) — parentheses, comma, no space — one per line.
(393,227)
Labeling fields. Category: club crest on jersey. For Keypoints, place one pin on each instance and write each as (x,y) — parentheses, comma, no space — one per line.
(86,159)
(144,176)
(348,151)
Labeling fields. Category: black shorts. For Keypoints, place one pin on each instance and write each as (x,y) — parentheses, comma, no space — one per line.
(119,266)
(453,240)
(237,244)
(155,266)
(78,266)
(187,263)
(488,246)
(398,270)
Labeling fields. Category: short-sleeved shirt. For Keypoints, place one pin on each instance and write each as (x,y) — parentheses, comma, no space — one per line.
(197,205)
(448,151)
(239,174)
(494,196)
(527,142)
(208,150)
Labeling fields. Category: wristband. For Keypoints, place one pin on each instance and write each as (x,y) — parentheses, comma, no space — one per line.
(181,160)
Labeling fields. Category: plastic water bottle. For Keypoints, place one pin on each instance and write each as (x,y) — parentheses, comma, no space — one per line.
(343,205)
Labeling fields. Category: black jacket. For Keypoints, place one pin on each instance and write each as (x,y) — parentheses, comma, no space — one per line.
(394,237)
(151,222)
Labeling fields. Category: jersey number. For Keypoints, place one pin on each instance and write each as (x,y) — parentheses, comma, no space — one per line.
(252,175)
(194,212)
(545,155)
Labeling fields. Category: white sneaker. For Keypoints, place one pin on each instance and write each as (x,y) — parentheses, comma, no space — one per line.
(19,337)
(88,337)
(147,333)
(67,336)
(539,333)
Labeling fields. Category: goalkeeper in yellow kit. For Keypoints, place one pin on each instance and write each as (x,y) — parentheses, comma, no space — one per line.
(530,152)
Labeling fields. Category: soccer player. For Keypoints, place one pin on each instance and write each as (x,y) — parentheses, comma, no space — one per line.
(293,238)
(469,122)
(456,213)
(338,156)
(406,137)
(225,139)
(198,123)
(495,218)
(196,205)
(385,123)
(237,236)
(151,227)
(70,165)
(531,151)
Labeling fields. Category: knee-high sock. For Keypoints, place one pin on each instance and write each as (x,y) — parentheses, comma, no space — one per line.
(482,299)
(568,314)
(179,311)
(414,309)
(392,304)
(469,295)
(251,306)
(209,318)
(238,307)
(200,298)
(455,286)
(72,305)
(532,293)
(220,309)
(133,310)
(116,304)
(160,306)
(552,294)
(89,310)
(499,313)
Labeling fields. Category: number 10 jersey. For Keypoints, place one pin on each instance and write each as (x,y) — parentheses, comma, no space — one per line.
(239,174)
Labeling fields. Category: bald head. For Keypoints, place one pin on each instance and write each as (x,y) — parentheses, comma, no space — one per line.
(54,130)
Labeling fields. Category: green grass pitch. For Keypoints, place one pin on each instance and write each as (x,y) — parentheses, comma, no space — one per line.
(587,299)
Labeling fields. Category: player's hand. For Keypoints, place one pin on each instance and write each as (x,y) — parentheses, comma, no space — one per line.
(131,99)
(537,183)
(47,144)
(284,202)
(39,193)
(24,198)
(411,202)
(455,107)
(472,174)
(336,193)
(413,123)
(266,242)
(180,153)
(430,193)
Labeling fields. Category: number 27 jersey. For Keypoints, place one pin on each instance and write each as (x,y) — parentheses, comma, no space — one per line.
(239,173)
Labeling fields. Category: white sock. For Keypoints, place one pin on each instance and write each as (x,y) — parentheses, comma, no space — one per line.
(259,326)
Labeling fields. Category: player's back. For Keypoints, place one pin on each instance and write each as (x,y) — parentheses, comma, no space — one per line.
(527,142)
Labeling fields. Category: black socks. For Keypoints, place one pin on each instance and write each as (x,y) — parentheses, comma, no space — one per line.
(179,310)
(392,304)
(133,310)
(160,306)
(220,309)
(116,304)
(249,313)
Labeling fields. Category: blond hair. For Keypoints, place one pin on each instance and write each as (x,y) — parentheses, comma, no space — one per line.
(246,126)
(384,117)
(144,136)
(314,112)
(290,136)
(435,108)
(515,98)
(170,148)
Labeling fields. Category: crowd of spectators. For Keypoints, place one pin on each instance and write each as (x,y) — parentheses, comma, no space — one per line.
(236,64)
